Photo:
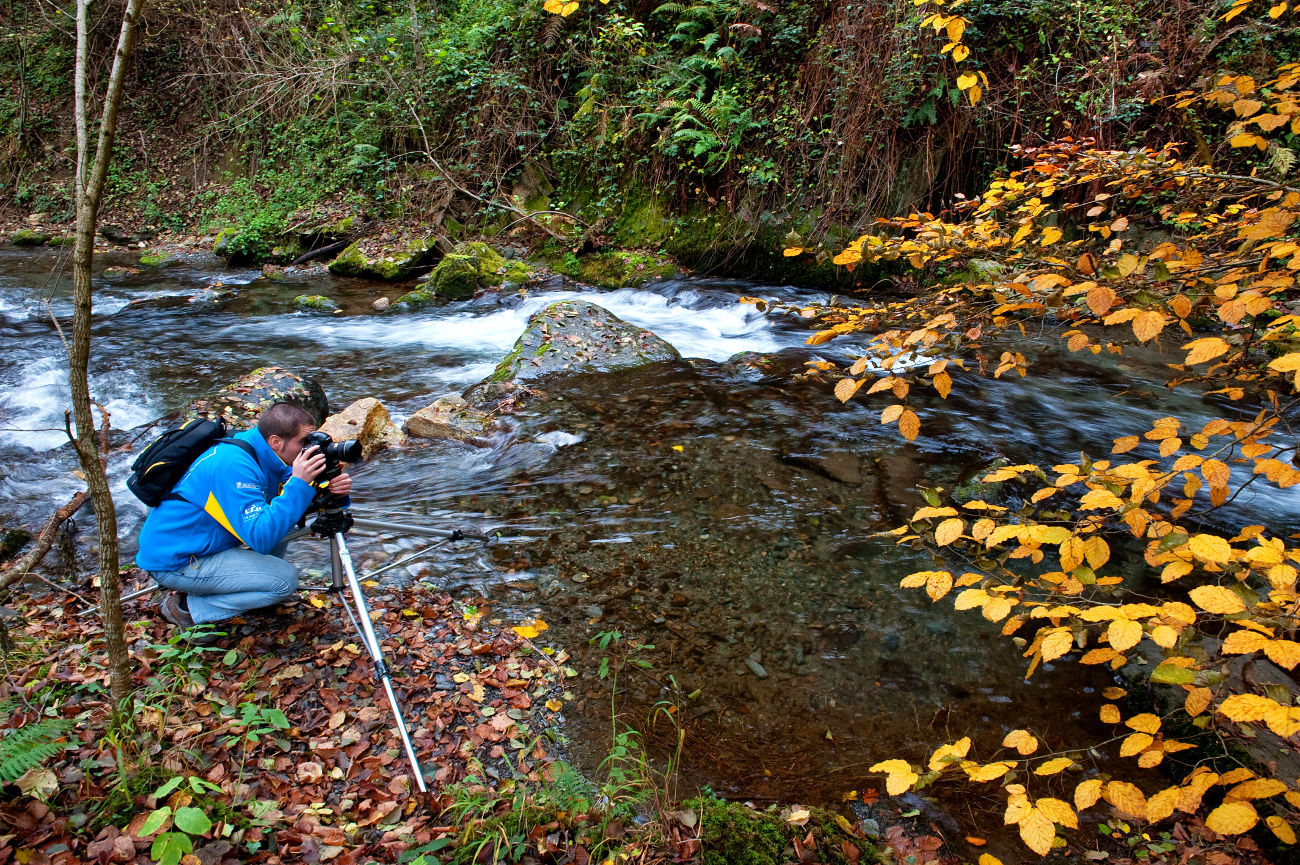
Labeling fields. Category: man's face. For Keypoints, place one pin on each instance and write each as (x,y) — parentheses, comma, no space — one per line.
(288,449)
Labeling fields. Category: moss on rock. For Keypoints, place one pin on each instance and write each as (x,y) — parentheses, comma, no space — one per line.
(315,303)
(159,259)
(421,297)
(28,237)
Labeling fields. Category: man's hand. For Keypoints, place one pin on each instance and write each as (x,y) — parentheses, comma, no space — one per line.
(308,464)
(341,485)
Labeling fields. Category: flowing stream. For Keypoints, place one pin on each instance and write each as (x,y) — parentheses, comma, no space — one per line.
(723,513)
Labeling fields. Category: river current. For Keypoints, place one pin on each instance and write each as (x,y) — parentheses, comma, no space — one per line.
(724,513)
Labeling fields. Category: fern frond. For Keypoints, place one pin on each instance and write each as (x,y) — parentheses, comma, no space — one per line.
(30,746)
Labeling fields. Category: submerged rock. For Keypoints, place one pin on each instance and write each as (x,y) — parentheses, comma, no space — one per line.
(577,336)
(450,417)
(315,303)
(242,402)
(365,421)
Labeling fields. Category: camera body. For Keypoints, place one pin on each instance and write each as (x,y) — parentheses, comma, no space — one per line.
(334,452)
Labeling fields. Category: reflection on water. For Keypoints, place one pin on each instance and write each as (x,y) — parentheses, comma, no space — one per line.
(720,511)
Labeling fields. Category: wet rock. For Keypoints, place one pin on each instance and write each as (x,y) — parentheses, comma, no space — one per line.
(280,275)
(728,511)
(841,466)
(11,541)
(242,402)
(380,304)
(577,336)
(159,259)
(29,237)
(389,268)
(450,417)
(469,267)
(366,421)
(315,303)
(116,272)
(117,234)
(417,299)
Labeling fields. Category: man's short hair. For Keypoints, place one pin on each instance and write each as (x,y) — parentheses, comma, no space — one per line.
(284,419)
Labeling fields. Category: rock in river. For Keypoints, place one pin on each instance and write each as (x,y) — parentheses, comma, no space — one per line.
(242,402)
(577,336)
(366,421)
(449,418)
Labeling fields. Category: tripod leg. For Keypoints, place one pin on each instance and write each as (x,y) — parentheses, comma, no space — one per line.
(336,562)
(340,555)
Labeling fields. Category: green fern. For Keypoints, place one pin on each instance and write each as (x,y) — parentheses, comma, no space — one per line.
(30,746)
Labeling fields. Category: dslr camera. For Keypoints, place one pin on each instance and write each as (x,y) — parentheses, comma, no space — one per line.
(334,452)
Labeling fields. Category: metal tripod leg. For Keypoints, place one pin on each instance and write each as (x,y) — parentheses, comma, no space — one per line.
(341,563)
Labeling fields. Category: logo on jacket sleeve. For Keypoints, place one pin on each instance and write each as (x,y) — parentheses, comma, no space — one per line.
(251,512)
(244,485)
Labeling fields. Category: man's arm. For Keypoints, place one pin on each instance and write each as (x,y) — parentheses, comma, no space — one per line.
(236,502)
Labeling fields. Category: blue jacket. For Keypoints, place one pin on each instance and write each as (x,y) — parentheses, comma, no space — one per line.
(230,498)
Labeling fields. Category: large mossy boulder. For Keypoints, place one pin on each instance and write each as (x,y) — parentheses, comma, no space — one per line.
(365,421)
(242,402)
(469,267)
(315,303)
(620,269)
(387,268)
(577,336)
(28,237)
(159,258)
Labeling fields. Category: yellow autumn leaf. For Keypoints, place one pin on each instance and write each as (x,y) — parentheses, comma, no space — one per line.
(960,53)
(1037,831)
(948,531)
(1281,829)
(938,585)
(1134,744)
(967,81)
(989,771)
(1126,798)
(928,512)
(1053,766)
(1257,788)
(1110,714)
(1201,350)
(845,388)
(1058,812)
(1243,708)
(1162,804)
(1232,818)
(554,705)
(891,414)
(900,776)
(1022,740)
(1210,548)
(1243,643)
(1197,700)
(946,754)
(1144,723)
(1087,793)
(989,859)
(1051,235)
(1124,634)
(943,384)
(792,251)
(1217,600)
(1057,643)
(1284,653)
(1286,363)
(1148,325)
(909,425)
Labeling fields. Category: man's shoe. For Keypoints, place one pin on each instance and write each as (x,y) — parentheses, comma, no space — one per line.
(173,612)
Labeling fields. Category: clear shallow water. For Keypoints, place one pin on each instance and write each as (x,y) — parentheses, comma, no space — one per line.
(725,514)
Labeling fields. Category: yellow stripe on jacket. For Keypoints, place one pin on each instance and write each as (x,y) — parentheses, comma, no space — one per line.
(214,510)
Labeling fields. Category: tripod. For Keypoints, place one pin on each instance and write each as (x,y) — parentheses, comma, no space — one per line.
(333,522)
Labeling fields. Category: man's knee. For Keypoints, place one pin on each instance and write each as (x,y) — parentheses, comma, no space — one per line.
(283,578)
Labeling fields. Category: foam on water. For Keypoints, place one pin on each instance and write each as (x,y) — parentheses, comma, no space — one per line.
(32,411)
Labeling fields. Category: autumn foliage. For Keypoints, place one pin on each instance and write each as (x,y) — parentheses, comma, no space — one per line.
(1069,235)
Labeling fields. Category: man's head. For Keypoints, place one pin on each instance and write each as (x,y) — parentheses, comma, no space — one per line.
(284,426)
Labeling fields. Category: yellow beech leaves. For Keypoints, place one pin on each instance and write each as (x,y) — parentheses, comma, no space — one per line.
(1122,555)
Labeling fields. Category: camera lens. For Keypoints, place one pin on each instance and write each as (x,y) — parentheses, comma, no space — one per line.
(346,452)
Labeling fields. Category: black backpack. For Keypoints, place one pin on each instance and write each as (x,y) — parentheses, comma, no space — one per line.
(161,465)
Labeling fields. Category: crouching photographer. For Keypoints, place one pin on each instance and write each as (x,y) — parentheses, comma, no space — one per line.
(217,540)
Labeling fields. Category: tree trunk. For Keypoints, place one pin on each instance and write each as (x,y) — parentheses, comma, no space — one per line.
(90,175)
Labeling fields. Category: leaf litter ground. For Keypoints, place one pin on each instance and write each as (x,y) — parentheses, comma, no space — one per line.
(335,785)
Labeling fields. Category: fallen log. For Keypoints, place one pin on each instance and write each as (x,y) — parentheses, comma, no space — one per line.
(20,567)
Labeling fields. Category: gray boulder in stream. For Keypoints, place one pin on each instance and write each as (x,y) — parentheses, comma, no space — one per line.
(242,402)
(577,336)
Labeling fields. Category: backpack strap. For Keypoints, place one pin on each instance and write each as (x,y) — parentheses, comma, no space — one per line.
(244,446)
